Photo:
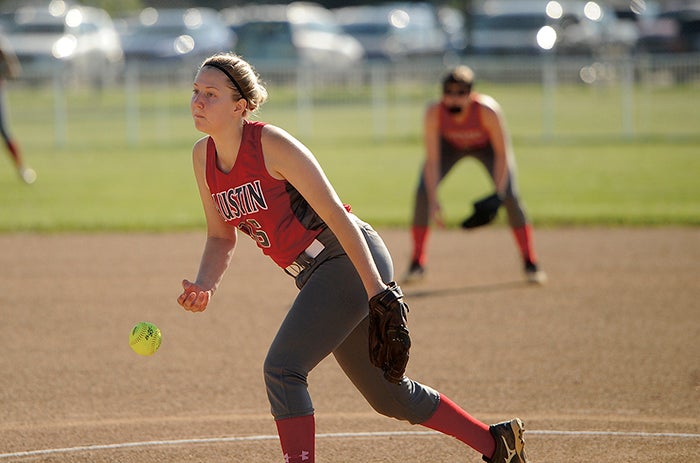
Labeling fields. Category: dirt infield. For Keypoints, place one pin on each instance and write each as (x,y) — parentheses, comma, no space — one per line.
(602,363)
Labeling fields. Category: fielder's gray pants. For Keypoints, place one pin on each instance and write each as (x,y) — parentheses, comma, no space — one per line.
(329,316)
(448,158)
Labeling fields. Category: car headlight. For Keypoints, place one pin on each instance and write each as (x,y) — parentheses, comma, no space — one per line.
(183,44)
(64,47)
(546,37)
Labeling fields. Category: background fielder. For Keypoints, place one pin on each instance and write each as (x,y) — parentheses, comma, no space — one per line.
(464,123)
(10,68)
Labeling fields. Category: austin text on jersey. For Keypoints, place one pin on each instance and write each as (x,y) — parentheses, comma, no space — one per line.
(239,201)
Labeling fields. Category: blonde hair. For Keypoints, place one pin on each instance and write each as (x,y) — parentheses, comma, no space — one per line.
(244,80)
(460,75)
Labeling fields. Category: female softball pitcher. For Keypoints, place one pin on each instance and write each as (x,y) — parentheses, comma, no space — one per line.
(258,179)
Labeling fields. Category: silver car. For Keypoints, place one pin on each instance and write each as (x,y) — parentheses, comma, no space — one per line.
(396,30)
(512,27)
(79,43)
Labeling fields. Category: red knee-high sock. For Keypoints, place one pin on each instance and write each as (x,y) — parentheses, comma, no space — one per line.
(297,438)
(450,419)
(14,152)
(420,237)
(523,236)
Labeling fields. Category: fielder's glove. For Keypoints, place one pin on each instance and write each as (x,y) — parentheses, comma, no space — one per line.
(389,341)
(485,210)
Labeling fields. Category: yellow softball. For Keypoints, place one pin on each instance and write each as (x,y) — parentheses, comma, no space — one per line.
(145,338)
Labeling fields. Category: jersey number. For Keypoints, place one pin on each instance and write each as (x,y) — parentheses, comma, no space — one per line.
(252,228)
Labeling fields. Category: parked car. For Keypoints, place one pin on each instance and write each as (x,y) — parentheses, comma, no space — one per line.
(301,32)
(454,24)
(511,27)
(675,29)
(170,37)
(639,15)
(79,43)
(394,31)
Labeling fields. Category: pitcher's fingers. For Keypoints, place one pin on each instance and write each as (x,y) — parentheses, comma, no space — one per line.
(181,299)
(196,301)
(202,300)
(190,299)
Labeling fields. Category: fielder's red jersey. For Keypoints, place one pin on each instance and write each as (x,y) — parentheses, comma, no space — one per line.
(469,134)
(270,211)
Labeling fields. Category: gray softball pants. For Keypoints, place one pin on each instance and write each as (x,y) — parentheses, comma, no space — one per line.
(329,316)
(448,158)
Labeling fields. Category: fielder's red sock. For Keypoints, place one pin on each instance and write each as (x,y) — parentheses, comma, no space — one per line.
(523,236)
(297,438)
(450,419)
(420,237)
(14,152)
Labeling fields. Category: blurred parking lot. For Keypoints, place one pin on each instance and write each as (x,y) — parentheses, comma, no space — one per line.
(290,35)
(57,39)
(385,58)
(173,37)
(86,45)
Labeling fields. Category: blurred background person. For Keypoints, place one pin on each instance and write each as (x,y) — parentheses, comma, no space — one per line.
(11,69)
(464,123)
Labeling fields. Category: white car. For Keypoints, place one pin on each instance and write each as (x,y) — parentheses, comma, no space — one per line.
(512,26)
(395,31)
(76,43)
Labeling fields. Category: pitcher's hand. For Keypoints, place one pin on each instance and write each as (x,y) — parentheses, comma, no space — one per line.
(193,297)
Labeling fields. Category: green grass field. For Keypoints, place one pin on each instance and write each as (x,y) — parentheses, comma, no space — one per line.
(92,175)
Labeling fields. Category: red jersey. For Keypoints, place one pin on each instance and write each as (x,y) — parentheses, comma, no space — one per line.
(270,211)
(469,134)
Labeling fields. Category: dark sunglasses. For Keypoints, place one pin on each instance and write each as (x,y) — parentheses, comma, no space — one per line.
(461,92)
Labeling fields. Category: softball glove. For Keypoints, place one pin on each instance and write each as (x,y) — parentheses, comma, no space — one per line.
(485,210)
(389,342)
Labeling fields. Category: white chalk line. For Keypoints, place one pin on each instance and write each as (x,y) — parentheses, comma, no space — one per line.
(342,435)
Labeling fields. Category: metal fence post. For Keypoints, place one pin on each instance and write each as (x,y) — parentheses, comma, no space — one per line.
(378,78)
(627,97)
(133,116)
(304,87)
(549,87)
(59,109)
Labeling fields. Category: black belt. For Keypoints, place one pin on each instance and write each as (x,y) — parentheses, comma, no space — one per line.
(305,259)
